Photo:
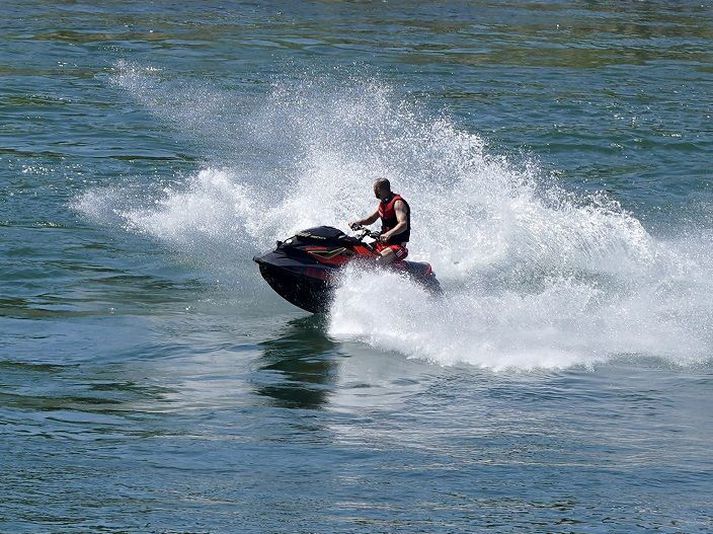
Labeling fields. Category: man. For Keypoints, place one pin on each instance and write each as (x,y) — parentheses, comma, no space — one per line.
(395,217)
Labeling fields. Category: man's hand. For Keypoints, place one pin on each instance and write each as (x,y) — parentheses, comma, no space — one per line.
(385,237)
(355,225)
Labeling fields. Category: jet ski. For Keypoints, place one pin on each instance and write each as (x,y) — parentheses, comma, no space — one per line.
(304,268)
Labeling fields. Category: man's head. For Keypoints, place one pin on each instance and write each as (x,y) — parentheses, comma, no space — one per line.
(382,189)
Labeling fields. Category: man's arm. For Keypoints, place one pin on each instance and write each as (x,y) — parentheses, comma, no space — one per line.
(371,219)
(402,218)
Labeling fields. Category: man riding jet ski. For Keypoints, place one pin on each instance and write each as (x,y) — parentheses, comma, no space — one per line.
(395,216)
(304,268)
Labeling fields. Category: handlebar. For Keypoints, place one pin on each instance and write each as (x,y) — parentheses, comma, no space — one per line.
(363,232)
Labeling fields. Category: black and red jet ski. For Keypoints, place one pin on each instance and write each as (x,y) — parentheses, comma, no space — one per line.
(303,269)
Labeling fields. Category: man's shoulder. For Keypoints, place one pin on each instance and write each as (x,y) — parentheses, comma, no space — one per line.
(402,201)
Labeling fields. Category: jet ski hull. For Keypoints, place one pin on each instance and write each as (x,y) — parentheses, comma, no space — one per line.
(311,293)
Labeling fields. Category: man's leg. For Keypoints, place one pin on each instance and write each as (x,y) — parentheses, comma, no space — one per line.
(387,256)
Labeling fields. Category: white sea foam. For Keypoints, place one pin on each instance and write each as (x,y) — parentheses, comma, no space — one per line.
(534,276)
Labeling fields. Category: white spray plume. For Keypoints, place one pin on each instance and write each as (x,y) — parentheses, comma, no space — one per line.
(534,276)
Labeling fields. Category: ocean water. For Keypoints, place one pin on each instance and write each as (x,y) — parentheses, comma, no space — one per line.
(557,158)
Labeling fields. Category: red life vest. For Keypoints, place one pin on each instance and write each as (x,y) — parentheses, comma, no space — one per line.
(389,220)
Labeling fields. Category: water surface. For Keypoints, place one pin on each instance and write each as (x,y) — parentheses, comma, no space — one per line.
(557,159)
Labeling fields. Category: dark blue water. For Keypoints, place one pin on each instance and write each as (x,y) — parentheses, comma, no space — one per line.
(557,160)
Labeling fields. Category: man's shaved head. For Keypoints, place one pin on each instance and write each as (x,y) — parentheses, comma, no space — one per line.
(382,187)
